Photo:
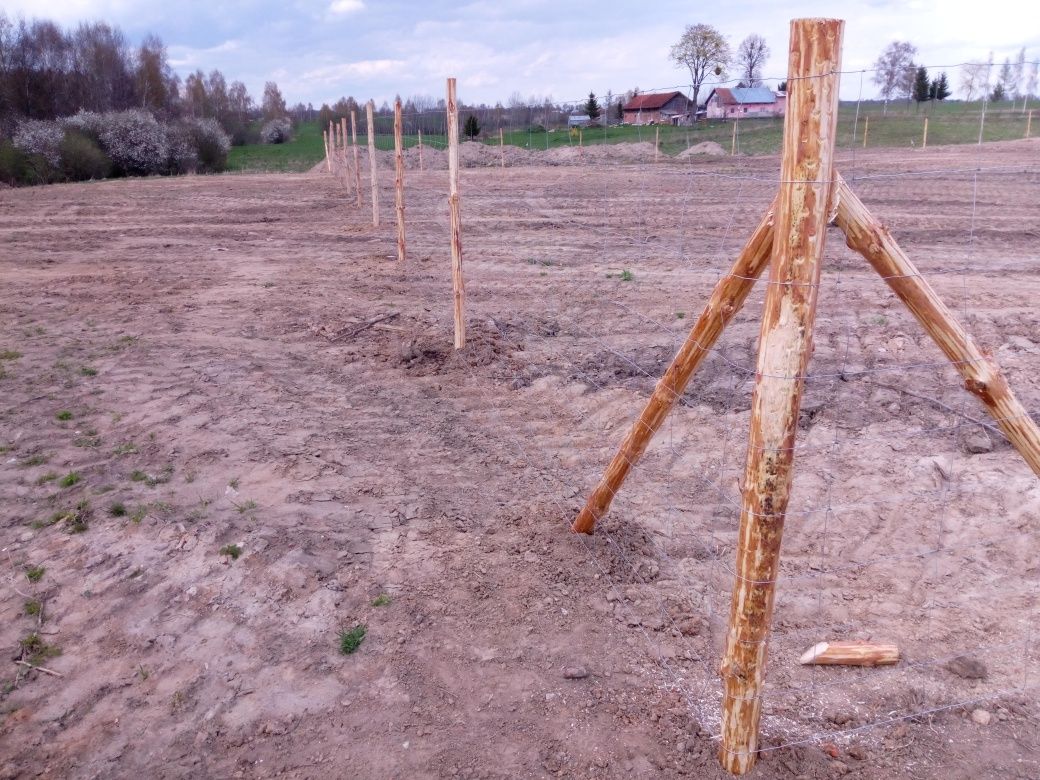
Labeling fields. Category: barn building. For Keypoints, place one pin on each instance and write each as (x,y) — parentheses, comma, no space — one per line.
(661,108)
(737,102)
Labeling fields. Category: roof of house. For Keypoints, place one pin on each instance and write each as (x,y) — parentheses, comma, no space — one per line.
(651,101)
(744,95)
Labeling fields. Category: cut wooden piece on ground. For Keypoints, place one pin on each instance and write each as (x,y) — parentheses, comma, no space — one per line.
(851,653)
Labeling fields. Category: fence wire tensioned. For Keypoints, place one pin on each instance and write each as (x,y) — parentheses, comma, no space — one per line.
(822,542)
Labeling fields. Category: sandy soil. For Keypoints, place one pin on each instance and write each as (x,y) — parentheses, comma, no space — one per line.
(206,336)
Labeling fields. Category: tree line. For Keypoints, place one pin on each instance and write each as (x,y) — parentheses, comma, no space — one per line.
(47,72)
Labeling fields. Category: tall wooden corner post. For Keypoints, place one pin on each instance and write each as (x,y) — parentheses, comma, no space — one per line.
(455,217)
(790,240)
(784,349)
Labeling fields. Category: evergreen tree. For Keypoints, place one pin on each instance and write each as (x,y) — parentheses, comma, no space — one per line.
(941,87)
(471,128)
(999,93)
(620,111)
(592,107)
(922,91)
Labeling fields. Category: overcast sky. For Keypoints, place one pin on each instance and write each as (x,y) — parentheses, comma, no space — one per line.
(319,50)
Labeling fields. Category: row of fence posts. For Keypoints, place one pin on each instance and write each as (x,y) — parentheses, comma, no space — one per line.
(335,142)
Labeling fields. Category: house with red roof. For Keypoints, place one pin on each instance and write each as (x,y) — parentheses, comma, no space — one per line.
(737,102)
(657,108)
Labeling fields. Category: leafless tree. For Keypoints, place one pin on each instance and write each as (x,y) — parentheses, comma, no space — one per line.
(894,70)
(702,49)
(273,104)
(751,56)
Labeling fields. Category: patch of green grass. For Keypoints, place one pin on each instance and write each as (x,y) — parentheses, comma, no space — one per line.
(70,479)
(301,154)
(88,371)
(232,551)
(350,641)
(33,607)
(382,600)
(33,460)
(50,476)
(246,507)
(627,276)
(9,354)
(233,483)
(57,517)
(139,514)
(118,509)
(34,573)
(36,651)
(64,415)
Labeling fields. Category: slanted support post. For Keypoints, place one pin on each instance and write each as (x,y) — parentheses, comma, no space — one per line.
(455,217)
(725,302)
(399,179)
(982,376)
(924,134)
(370,109)
(785,346)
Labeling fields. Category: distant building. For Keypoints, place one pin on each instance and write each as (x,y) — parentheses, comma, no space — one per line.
(662,108)
(579,120)
(736,102)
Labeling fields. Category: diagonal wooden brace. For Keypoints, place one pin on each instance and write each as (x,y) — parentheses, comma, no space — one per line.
(982,376)
(726,300)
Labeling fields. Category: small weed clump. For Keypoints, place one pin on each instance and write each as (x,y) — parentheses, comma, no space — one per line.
(69,479)
(232,551)
(126,448)
(34,573)
(35,650)
(382,600)
(33,607)
(627,276)
(33,460)
(118,509)
(88,371)
(64,415)
(9,354)
(50,476)
(246,507)
(350,641)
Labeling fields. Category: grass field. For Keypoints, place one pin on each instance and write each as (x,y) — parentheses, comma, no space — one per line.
(900,125)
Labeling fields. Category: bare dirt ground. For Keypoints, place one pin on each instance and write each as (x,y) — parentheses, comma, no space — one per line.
(185,367)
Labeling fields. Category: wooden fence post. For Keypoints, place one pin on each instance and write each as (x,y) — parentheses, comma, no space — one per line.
(455,217)
(657,143)
(343,144)
(357,155)
(733,141)
(370,108)
(924,135)
(866,129)
(399,179)
(420,151)
(501,148)
(1029,122)
(785,346)
(325,140)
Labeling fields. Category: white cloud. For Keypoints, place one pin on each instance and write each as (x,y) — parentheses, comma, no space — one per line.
(346,6)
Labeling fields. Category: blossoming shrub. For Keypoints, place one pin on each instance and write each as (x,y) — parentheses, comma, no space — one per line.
(276,131)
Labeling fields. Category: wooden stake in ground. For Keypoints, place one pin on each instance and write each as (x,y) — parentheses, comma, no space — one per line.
(785,346)
(733,141)
(370,108)
(924,135)
(328,159)
(455,216)
(848,653)
(420,151)
(982,376)
(501,148)
(657,143)
(399,179)
(357,156)
(343,139)
(1029,122)
(725,302)
(866,129)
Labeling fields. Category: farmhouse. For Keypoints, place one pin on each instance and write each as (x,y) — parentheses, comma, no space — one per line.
(725,103)
(657,108)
